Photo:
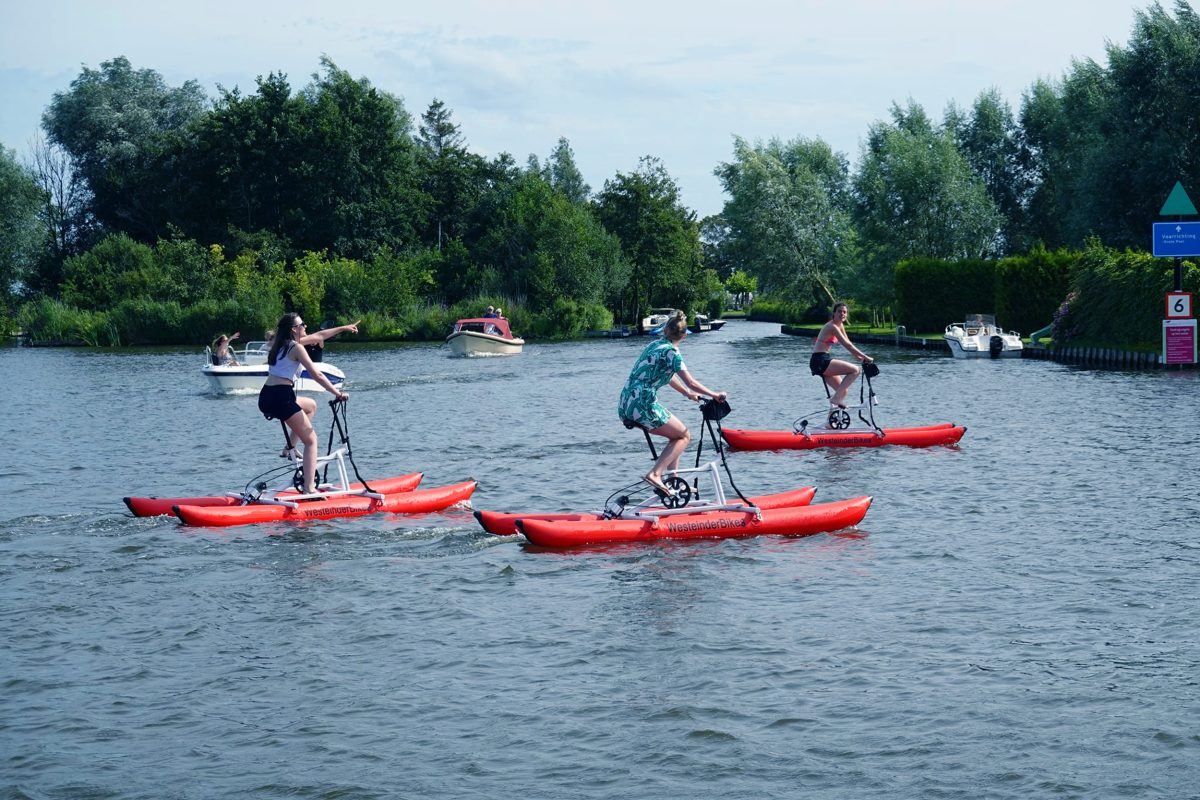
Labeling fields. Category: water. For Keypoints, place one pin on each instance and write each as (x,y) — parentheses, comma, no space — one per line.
(1015,618)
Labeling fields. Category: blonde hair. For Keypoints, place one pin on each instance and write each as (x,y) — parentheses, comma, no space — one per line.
(676,325)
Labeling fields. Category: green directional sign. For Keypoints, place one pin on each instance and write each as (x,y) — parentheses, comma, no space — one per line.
(1178,202)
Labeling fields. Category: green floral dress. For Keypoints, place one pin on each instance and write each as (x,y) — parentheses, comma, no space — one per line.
(653,370)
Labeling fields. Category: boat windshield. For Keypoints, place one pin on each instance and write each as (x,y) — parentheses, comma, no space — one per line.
(980,321)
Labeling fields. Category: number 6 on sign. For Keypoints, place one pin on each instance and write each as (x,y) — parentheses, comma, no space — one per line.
(1179,305)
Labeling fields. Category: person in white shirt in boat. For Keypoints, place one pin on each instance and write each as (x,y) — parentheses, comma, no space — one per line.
(221,355)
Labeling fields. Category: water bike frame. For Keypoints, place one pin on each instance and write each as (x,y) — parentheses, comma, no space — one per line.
(339,487)
(838,417)
(656,505)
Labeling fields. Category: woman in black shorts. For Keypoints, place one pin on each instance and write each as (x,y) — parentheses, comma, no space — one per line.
(837,374)
(277,400)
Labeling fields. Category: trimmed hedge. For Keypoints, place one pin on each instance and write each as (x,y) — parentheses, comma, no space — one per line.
(1021,291)
(1117,297)
(1030,287)
(932,293)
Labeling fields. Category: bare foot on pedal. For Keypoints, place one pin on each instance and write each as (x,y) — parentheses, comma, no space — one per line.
(656,482)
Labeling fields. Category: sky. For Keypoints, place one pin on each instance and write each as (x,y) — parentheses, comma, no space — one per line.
(618,79)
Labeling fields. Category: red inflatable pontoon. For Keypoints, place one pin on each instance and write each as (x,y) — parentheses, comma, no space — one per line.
(505,524)
(417,501)
(927,436)
(156,506)
(789,521)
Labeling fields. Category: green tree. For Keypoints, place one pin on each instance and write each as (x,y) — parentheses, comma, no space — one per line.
(561,172)
(540,246)
(122,128)
(659,237)
(70,227)
(362,160)
(742,286)
(116,269)
(1107,143)
(714,235)
(788,215)
(991,142)
(331,168)
(451,176)
(916,195)
(23,235)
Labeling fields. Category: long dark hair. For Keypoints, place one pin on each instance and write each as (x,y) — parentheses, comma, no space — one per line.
(283,337)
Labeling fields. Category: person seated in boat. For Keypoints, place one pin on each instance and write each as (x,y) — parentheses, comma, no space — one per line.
(286,360)
(490,313)
(659,364)
(837,374)
(221,354)
(499,313)
(975,325)
(265,347)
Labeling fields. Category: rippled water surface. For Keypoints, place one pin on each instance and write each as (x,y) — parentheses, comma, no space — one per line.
(1015,618)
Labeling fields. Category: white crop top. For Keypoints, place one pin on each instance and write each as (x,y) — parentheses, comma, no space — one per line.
(285,367)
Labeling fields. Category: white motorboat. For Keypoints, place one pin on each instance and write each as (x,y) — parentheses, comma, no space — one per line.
(980,337)
(249,374)
(652,325)
(483,336)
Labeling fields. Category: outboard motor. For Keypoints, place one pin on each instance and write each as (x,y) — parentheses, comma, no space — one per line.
(995,346)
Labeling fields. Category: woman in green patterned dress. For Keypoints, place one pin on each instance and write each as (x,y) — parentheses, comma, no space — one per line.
(658,365)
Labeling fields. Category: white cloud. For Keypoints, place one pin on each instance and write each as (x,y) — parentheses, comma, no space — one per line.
(620,79)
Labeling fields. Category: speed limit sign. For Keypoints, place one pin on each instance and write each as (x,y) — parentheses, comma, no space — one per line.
(1179,305)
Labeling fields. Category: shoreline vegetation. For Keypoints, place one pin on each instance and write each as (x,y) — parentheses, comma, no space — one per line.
(156,214)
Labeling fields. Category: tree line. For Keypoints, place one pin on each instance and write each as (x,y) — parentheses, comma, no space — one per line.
(334,200)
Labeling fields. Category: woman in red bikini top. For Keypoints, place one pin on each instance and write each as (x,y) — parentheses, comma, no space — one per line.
(837,374)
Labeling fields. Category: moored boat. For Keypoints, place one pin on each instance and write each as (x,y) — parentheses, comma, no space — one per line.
(415,501)
(945,433)
(483,336)
(789,521)
(158,506)
(652,324)
(980,337)
(505,523)
(249,374)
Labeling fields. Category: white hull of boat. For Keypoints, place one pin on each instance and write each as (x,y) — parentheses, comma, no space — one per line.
(969,351)
(470,343)
(249,378)
(971,341)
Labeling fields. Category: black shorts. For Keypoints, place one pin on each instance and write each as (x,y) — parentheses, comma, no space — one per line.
(819,363)
(278,402)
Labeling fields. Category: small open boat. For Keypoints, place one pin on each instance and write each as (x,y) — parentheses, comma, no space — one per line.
(980,337)
(483,336)
(249,374)
(653,323)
